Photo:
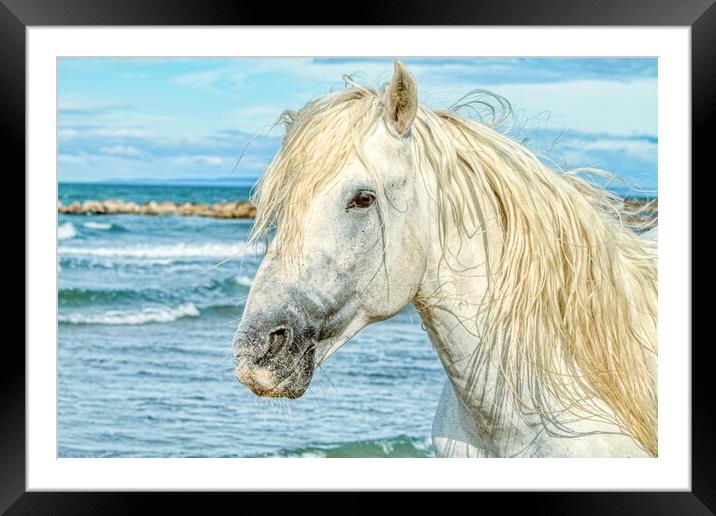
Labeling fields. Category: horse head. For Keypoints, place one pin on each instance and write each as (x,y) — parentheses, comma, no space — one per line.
(338,260)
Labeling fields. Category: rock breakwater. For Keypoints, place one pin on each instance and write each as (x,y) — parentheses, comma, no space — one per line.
(644,213)
(222,210)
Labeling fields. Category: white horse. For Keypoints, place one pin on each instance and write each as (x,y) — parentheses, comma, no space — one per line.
(538,298)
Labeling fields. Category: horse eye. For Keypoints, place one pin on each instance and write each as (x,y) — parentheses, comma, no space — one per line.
(362,199)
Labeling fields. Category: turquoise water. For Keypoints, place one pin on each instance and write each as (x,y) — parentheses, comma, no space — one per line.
(145,327)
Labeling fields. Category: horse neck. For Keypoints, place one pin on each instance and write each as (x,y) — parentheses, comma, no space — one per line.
(451,302)
(543,262)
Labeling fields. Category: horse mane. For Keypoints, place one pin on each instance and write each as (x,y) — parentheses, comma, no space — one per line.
(573,285)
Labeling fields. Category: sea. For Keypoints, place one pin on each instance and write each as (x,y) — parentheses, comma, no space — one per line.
(147,307)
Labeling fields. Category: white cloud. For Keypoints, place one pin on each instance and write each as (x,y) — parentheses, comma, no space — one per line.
(205,160)
(73,159)
(120,132)
(67,133)
(121,150)
(258,119)
(203,79)
(93,107)
(236,75)
(641,149)
(200,130)
(593,106)
(110,132)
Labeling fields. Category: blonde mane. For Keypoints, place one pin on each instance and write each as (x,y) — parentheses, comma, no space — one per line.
(573,284)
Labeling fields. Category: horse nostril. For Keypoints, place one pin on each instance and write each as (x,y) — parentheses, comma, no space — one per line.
(278,342)
(278,339)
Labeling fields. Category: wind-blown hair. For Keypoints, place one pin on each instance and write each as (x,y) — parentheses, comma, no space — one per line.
(571,309)
(319,140)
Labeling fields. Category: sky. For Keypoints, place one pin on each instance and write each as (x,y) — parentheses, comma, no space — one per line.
(168,119)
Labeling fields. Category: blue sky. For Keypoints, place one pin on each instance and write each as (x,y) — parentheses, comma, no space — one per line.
(173,118)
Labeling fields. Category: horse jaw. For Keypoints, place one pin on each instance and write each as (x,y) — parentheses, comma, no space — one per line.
(326,347)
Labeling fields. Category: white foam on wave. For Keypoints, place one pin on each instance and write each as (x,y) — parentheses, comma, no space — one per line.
(169,251)
(98,225)
(161,314)
(66,231)
(245,281)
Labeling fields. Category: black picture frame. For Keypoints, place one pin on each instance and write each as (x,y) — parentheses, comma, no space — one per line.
(17,15)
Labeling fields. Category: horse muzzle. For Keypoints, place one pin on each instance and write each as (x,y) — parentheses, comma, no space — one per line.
(277,362)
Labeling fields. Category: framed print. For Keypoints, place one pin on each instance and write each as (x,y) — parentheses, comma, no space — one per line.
(425,197)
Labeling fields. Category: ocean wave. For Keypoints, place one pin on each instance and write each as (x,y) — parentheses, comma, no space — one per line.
(166,252)
(400,446)
(162,314)
(103,226)
(230,286)
(244,281)
(107,262)
(84,296)
(227,310)
(215,290)
(66,231)
(77,297)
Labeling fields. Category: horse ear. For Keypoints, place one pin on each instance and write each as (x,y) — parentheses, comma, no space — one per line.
(401,99)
